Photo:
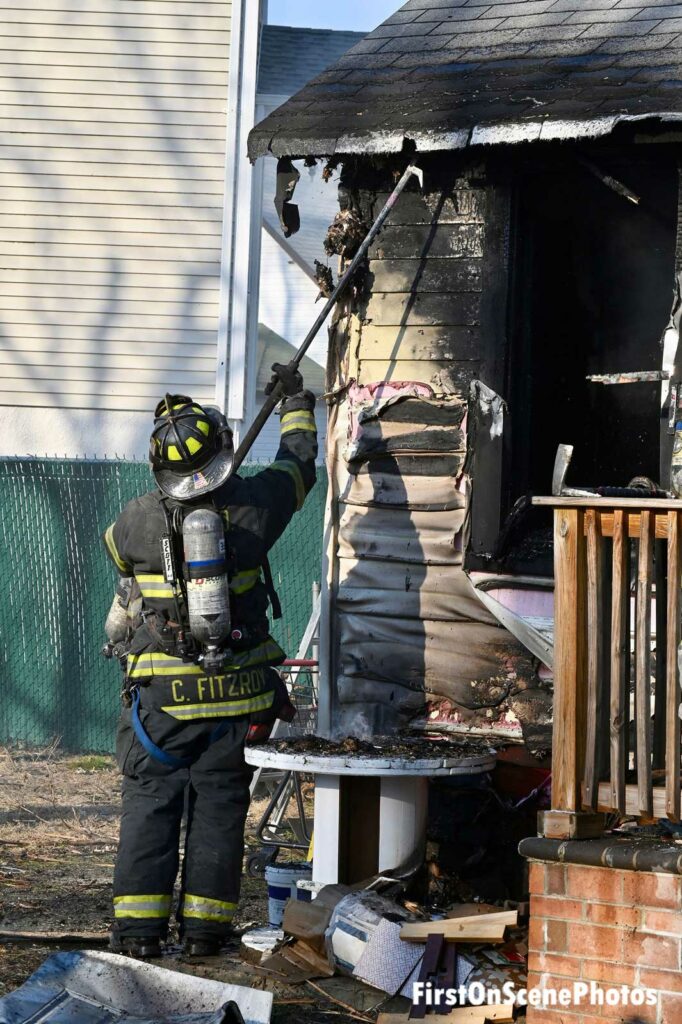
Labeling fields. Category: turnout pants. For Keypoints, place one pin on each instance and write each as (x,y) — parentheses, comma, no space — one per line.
(216,791)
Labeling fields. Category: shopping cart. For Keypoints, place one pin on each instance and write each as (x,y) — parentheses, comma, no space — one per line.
(284,823)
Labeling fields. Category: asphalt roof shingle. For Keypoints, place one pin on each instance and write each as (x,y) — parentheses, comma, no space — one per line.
(449,73)
(290,57)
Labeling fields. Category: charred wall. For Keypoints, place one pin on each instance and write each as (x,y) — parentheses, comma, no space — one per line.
(407,636)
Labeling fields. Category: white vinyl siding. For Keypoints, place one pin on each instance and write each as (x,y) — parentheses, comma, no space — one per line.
(112,155)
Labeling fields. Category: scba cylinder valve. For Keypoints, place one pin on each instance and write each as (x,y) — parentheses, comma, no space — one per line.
(208,585)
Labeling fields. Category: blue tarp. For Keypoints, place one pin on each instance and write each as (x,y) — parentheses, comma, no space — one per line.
(104,988)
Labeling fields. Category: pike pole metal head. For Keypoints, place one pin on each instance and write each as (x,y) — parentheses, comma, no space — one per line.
(418,173)
(562,461)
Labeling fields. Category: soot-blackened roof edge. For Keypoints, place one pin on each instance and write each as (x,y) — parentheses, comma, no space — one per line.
(447,74)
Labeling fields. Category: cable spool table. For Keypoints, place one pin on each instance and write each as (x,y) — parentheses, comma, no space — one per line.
(370,810)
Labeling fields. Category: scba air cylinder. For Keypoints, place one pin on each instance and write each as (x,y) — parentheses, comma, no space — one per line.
(208,584)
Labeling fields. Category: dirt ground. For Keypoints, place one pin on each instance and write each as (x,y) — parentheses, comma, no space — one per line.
(58,829)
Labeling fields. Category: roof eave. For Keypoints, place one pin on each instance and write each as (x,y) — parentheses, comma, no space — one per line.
(281,144)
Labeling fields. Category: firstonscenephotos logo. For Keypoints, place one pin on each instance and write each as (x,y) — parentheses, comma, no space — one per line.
(579,993)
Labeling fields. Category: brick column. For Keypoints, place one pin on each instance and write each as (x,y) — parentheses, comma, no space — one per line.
(609,926)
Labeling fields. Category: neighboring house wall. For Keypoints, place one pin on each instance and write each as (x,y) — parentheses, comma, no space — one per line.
(290,57)
(112,161)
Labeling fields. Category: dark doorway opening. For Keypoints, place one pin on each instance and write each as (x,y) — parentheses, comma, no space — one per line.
(592,287)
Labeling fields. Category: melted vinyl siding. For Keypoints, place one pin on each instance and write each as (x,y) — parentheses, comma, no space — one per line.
(407,625)
(111,194)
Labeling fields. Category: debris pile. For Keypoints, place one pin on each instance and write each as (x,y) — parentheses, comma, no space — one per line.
(373,936)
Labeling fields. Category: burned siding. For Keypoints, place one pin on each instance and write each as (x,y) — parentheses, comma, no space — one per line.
(407,635)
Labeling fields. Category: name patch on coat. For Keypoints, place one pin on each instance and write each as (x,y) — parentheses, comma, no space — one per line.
(203,689)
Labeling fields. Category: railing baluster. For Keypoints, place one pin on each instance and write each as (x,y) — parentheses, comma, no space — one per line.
(594,656)
(660,575)
(619,638)
(569,658)
(643,664)
(672,736)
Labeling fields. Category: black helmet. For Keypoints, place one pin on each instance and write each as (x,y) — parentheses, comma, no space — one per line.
(191,448)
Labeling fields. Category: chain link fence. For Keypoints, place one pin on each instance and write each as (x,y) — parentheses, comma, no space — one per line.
(57,585)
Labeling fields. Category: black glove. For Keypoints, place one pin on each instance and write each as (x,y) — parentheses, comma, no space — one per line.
(291,380)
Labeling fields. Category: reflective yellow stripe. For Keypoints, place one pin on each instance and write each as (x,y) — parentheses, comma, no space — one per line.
(158,664)
(244,581)
(154,585)
(113,550)
(155,663)
(224,709)
(142,906)
(207,909)
(294,472)
(301,420)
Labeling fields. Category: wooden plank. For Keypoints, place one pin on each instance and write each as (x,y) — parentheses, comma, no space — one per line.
(432,275)
(475,928)
(420,343)
(453,241)
(459,206)
(654,504)
(620,639)
(632,800)
(570,668)
(570,824)
(672,751)
(416,310)
(594,655)
(660,576)
(634,525)
(643,664)
(459,375)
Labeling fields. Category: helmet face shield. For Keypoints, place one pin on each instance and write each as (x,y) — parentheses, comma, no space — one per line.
(191,450)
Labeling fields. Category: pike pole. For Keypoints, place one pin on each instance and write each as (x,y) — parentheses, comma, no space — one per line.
(275,396)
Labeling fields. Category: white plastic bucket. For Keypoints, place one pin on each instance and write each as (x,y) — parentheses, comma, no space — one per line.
(281,880)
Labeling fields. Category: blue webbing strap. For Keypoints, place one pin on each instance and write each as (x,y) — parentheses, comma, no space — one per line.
(162,755)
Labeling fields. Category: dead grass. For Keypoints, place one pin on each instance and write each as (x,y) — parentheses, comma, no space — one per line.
(59,817)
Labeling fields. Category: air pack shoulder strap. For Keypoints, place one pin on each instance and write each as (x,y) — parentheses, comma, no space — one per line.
(270,587)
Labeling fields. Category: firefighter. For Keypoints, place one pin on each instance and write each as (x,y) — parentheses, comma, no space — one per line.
(182,729)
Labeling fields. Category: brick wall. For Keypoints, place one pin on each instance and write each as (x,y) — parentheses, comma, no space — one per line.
(609,926)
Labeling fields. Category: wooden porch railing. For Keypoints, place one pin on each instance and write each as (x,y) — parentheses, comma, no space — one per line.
(618,566)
